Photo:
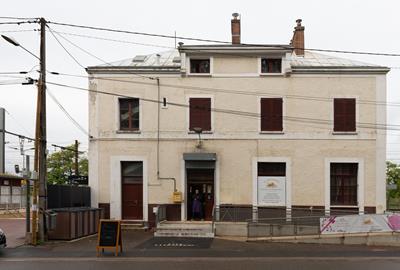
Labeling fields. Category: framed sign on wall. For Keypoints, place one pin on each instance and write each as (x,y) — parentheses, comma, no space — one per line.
(271,191)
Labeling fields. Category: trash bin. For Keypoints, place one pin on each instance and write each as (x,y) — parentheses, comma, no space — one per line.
(51,220)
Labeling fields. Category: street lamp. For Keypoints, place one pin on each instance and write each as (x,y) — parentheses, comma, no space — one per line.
(16,43)
(40,138)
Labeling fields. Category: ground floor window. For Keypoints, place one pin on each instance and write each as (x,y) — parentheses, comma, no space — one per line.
(271,183)
(344,183)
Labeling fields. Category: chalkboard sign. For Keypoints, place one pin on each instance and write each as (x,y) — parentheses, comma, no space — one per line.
(109,236)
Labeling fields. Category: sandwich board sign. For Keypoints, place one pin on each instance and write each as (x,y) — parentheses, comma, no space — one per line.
(109,236)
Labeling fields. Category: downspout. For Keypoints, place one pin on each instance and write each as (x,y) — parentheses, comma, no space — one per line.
(158,137)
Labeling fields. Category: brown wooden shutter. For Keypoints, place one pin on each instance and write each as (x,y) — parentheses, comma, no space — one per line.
(200,113)
(271,114)
(344,114)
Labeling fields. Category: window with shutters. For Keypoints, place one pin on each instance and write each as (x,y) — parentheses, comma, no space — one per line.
(200,114)
(271,114)
(344,183)
(129,114)
(271,65)
(344,110)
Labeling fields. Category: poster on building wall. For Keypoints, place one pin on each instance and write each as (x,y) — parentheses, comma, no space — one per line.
(271,191)
(360,224)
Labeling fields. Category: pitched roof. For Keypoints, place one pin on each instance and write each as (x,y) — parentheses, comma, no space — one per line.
(169,61)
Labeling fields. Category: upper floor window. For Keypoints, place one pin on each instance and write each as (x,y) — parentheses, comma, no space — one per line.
(129,114)
(344,114)
(271,65)
(200,114)
(271,114)
(199,65)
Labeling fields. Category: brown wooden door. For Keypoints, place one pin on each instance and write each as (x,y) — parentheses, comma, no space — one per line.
(132,201)
(203,181)
(132,190)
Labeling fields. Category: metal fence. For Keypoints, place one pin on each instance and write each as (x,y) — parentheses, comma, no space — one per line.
(291,225)
(12,198)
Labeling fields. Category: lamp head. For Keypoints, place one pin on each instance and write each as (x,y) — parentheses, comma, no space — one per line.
(10,40)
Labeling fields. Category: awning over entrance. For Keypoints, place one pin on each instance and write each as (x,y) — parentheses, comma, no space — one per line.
(200,160)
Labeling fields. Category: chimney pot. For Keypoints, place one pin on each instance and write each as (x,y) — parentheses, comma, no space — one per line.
(235,28)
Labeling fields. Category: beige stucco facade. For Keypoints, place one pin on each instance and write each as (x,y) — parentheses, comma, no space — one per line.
(307,143)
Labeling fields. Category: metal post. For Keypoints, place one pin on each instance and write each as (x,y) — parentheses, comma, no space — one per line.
(2,139)
(28,198)
(76,158)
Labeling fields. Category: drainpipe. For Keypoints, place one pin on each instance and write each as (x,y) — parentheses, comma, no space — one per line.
(158,137)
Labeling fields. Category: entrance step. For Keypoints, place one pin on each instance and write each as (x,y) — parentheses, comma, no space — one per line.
(133,225)
(184,229)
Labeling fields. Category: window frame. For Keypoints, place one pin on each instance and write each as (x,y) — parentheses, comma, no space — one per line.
(188,65)
(353,201)
(259,68)
(118,116)
(188,113)
(276,132)
(270,58)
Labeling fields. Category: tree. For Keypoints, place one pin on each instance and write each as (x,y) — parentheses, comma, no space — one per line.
(393,177)
(60,165)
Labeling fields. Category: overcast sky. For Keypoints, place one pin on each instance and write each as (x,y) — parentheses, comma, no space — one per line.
(360,25)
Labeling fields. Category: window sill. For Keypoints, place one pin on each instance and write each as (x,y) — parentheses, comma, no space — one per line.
(128,131)
(272,132)
(344,133)
(199,75)
(344,206)
(204,132)
(272,74)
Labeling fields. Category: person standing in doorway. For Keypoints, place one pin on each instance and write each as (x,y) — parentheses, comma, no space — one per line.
(197,206)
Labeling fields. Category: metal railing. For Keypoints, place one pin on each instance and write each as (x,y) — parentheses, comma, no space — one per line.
(292,225)
(161,214)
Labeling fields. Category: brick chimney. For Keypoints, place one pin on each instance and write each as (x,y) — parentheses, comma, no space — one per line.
(298,39)
(235,26)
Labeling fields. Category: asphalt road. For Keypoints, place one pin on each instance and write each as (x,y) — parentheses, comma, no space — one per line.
(142,251)
(193,263)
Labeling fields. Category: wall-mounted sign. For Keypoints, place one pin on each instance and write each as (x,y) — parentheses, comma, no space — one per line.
(177,197)
(360,224)
(271,190)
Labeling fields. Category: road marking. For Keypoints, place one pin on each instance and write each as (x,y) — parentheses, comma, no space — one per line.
(191,259)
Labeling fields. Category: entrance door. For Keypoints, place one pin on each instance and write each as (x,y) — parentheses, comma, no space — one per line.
(200,194)
(132,190)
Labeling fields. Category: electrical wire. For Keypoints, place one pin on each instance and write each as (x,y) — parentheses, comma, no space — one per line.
(232,91)
(67,114)
(214,41)
(374,126)
(65,49)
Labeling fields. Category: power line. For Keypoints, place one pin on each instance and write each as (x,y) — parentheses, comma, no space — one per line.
(214,41)
(59,42)
(234,91)
(80,48)
(375,126)
(67,114)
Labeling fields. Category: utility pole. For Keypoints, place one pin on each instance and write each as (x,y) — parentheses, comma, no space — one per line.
(40,145)
(76,158)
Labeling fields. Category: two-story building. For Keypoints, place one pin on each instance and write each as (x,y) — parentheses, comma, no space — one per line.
(261,130)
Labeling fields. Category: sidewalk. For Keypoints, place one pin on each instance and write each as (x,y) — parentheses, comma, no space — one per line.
(143,244)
